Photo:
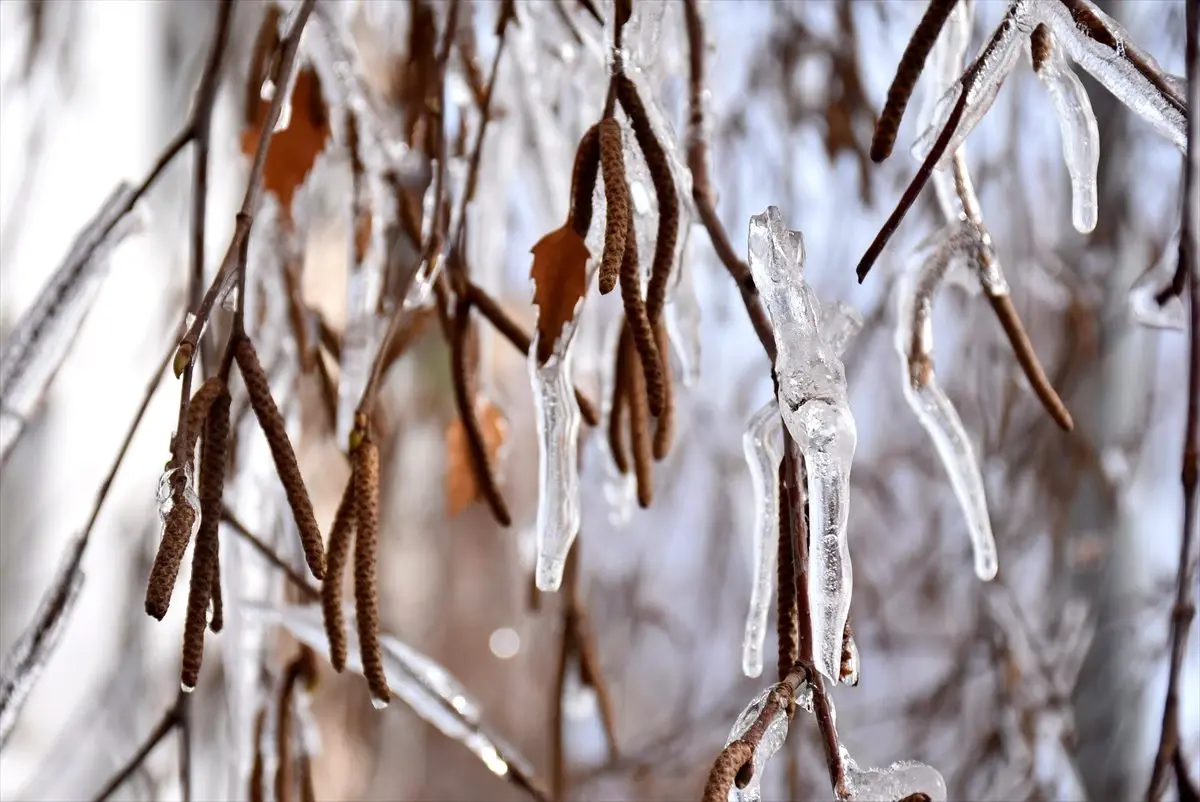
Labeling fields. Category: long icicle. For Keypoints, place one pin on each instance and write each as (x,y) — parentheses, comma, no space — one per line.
(762,458)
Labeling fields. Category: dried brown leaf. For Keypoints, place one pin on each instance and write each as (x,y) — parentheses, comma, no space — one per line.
(559,276)
(461,487)
(293,150)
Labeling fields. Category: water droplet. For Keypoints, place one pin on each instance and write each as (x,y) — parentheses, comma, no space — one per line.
(379,704)
(186,688)
(505,643)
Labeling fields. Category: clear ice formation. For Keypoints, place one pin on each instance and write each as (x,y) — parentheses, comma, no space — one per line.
(1142,303)
(773,738)
(816,410)
(914,345)
(43,336)
(1106,64)
(431,691)
(1080,136)
(28,655)
(901,779)
(558,419)
(763,458)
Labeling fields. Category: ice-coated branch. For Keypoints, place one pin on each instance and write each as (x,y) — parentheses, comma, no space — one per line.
(813,401)
(43,336)
(1090,39)
(422,684)
(757,734)
(27,657)
(914,344)
(762,458)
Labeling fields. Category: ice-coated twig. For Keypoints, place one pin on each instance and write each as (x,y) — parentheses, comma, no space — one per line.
(27,657)
(897,782)
(558,418)
(815,407)
(1091,39)
(757,734)
(1080,136)
(1144,294)
(914,345)
(762,457)
(43,336)
(431,691)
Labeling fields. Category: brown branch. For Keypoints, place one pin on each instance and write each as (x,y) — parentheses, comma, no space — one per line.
(1183,610)
(735,764)
(702,192)
(268,553)
(169,721)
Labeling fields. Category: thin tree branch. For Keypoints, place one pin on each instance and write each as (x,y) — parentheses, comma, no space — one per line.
(165,725)
(1184,610)
(268,553)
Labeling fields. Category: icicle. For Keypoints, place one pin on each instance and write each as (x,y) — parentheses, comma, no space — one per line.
(1142,301)
(421,683)
(899,780)
(914,345)
(28,655)
(558,421)
(763,458)
(41,339)
(773,738)
(815,408)
(1080,136)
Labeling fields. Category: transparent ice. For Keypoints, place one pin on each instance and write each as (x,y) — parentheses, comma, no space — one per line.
(1143,305)
(815,407)
(773,738)
(763,458)
(558,419)
(1104,63)
(1080,136)
(914,346)
(901,779)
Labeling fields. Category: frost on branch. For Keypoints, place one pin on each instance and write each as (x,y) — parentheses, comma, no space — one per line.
(763,458)
(899,780)
(816,410)
(914,344)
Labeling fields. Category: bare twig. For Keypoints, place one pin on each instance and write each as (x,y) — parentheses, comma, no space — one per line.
(295,577)
(1184,610)
(702,192)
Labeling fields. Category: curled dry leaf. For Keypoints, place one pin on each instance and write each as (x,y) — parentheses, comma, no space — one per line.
(294,150)
(461,487)
(559,276)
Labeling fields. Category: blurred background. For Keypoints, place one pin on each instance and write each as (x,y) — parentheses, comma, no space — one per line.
(1046,683)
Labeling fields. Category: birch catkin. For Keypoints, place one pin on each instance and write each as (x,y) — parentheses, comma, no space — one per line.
(366,591)
(583,180)
(205,555)
(340,536)
(177,531)
(617,223)
(271,422)
(639,324)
